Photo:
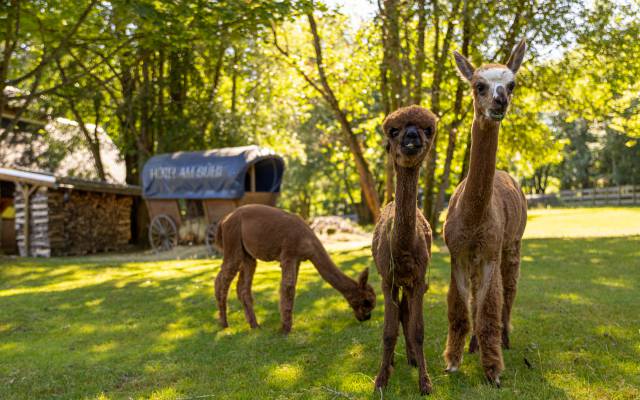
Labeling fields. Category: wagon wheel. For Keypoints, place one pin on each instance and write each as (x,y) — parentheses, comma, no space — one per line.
(210,239)
(163,234)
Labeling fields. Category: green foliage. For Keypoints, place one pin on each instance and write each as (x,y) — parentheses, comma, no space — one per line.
(167,76)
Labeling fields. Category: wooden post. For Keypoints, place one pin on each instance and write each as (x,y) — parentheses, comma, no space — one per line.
(619,195)
(593,193)
(27,191)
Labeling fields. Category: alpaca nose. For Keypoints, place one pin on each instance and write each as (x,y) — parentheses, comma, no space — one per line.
(412,137)
(412,133)
(500,99)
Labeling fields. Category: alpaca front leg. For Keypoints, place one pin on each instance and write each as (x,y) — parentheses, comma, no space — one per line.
(404,319)
(223,281)
(389,335)
(416,329)
(488,323)
(245,281)
(458,314)
(510,270)
(288,293)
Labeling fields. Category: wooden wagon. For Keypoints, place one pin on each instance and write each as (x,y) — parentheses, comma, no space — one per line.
(188,193)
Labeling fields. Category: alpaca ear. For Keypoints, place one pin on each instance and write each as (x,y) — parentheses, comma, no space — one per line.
(465,68)
(515,60)
(363,277)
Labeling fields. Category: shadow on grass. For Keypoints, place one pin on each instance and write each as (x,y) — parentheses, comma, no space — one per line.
(139,334)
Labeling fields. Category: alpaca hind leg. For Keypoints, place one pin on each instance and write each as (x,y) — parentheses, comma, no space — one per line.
(488,322)
(245,281)
(510,269)
(458,314)
(223,281)
(404,319)
(288,292)
(473,342)
(389,335)
(416,335)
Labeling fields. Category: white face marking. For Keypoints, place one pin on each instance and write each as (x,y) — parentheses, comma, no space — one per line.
(496,77)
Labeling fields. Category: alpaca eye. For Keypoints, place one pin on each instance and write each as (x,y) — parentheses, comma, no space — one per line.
(481,88)
(366,303)
(511,86)
(428,131)
(393,132)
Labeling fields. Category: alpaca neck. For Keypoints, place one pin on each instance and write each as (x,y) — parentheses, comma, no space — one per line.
(404,225)
(331,273)
(478,190)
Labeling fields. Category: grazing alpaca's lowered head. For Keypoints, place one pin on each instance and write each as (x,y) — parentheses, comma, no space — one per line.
(485,222)
(256,232)
(402,242)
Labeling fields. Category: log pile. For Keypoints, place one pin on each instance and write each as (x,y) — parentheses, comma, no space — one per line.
(88,222)
(73,222)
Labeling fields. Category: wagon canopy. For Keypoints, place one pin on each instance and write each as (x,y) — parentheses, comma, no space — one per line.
(213,174)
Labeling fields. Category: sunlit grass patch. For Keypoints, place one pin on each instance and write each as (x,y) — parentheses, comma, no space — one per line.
(583,222)
(115,328)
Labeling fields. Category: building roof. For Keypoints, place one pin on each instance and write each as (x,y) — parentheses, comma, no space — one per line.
(49,180)
(56,145)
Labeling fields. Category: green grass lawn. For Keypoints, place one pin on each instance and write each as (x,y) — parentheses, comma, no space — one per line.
(113,327)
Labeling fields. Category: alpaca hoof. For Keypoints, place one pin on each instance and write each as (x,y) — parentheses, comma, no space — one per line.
(255,326)
(493,376)
(473,344)
(494,382)
(382,379)
(425,386)
(381,382)
(412,362)
(285,331)
(451,369)
(224,325)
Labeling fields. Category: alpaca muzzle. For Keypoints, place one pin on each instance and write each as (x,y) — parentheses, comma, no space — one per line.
(411,142)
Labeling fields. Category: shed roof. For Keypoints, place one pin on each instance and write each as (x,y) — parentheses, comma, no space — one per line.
(49,180)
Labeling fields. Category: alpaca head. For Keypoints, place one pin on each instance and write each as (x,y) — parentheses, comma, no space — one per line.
(492,84)
(409,132)
(363,300)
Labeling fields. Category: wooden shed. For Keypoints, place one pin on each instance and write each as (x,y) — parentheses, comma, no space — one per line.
(57,216)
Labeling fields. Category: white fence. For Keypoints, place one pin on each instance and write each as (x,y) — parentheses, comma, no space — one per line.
(615,195)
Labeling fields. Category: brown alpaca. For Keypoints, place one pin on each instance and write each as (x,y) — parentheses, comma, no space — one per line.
(257,232)
(485,222)
(402,242)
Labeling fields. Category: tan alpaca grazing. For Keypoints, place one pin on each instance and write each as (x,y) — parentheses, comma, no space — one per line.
(402,242)
(485,222)
(256,232)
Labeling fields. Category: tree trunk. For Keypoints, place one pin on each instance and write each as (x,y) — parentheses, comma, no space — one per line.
(455,124)
(367,183)
(391,83)
(439,55)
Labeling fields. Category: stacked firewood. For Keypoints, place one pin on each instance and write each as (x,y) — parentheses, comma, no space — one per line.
(88,222)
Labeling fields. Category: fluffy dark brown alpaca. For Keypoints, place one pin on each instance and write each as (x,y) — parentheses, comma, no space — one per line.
(402,242)
(485,222)
(265,233)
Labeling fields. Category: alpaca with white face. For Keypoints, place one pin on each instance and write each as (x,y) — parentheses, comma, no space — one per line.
(485,221)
